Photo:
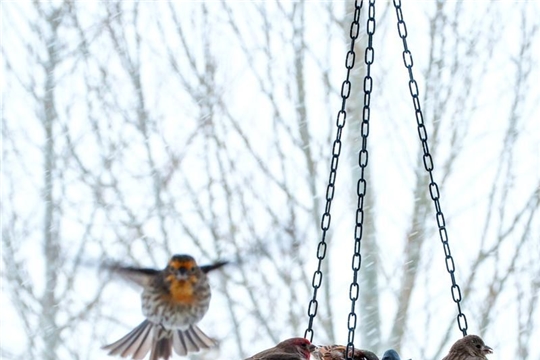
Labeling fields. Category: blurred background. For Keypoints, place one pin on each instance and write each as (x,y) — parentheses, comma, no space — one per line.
(132,131)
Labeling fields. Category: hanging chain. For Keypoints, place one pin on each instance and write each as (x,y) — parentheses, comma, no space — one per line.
(362,184)
(336,151)
(428,165)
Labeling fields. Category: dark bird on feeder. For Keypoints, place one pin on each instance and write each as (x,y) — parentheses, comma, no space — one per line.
(290,349)
(173,301)
(470,347)
(391,355)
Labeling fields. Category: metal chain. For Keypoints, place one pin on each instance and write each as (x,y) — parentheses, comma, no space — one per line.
(336,151)
(362,184)
(428,165)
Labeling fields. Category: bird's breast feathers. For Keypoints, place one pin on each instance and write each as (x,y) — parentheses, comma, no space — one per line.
(182,291)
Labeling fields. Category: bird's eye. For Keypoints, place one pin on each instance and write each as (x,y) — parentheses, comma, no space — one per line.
(478,346)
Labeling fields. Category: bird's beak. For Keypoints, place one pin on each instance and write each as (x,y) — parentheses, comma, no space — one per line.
(313,348)
(487,350)
(182,274)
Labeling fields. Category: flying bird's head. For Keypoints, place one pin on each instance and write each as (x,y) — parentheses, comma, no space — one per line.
(184,280)
(182,268)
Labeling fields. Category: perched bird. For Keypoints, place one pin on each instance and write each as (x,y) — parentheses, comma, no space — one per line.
(339,352)
(290,349)
(173,301)
(390,355)
(470,347)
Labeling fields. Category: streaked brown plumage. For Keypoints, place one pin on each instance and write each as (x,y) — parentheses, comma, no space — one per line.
(338,352)
(470,347)
(290,349)
(173,301)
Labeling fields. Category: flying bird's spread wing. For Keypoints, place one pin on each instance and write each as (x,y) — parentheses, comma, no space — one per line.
(214,266)
(140,276)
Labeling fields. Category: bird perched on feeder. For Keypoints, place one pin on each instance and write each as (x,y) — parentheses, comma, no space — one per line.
(173,301)
(290,349)
(339,352)
(470,347)
(390,355)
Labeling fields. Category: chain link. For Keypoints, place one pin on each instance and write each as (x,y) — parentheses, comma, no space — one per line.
(336,151)
(428,165)
(361,186)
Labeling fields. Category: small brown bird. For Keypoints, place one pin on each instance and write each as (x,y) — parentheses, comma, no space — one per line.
(290,349)
(470,347)
(338,352)
(173,301)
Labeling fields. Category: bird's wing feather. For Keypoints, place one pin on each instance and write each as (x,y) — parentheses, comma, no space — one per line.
(141,276)
(214,266)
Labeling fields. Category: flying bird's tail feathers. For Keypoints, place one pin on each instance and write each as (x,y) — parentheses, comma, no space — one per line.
(160,342)
(136,343)
(191,340)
